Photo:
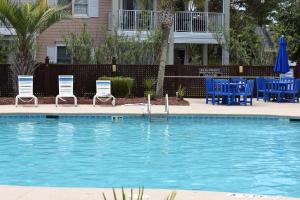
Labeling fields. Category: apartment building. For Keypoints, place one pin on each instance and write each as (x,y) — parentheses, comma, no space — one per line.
(192,39)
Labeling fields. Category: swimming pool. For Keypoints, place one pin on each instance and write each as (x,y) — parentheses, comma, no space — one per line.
(230,154)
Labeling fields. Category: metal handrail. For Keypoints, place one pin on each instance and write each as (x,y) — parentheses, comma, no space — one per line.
(149,105)
(167,104)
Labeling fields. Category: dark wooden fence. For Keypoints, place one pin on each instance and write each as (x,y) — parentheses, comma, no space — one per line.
(191,77)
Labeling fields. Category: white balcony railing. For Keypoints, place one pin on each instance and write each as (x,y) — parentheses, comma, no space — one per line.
(133,20)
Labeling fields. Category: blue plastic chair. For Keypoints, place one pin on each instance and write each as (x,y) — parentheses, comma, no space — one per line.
(218,85)
(287,79)
(291,93)
(228,95)
(273,90)
(209,89)
(248,93)
(238,80)
(260,88)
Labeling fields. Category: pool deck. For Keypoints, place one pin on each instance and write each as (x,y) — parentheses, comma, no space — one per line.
(44,193)
(196,107)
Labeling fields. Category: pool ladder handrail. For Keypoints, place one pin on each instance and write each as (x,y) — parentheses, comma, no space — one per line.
(166,105)
(149,105)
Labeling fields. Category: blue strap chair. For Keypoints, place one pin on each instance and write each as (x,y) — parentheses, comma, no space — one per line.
(248,93)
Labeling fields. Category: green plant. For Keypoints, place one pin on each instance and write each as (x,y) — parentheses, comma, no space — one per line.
(80,46)
(148,89)
(129,50)
(148,84)
(139,197)
(171,196)
(181,92)
(120,86)
(140,194)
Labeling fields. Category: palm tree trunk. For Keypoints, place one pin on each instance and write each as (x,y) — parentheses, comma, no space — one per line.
(162,61)
(166,19)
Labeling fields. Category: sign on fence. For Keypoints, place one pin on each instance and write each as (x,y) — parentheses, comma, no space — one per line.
(210,72)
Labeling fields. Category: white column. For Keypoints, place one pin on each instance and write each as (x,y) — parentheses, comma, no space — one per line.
(205,54)
(155,5)
(115,14)
(226,11)
(206,5)
(171,47)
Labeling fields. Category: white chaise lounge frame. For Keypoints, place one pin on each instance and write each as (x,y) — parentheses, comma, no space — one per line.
(25,90)
(103,92)
(65,88)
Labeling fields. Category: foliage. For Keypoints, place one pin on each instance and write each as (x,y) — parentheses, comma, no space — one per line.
(80,46)
(148,83)
(28,20)
(287,23)
(5,49)
(260,12)
(129,50)
(120,86)
(194,53)
(181,92)
(172,196)
(241,41)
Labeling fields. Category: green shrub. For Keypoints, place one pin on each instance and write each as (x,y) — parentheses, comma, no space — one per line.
(181,92)
(148,84)
(148,89)
(120,86)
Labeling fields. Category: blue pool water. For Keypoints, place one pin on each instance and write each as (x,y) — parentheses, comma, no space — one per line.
(230,154)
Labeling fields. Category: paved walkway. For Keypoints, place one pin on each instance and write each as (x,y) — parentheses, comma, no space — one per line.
(197,106)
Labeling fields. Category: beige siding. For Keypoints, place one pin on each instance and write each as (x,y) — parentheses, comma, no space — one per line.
(55,33)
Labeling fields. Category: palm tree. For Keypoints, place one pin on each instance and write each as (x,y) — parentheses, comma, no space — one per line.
(166,20)
(26,21)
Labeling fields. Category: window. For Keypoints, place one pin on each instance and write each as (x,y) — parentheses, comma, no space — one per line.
(81,7)
(62,56)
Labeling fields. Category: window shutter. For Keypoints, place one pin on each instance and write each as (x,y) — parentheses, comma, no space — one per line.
(93,8)
(52,54)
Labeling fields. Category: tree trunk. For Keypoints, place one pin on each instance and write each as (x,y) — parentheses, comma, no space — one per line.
(166,19)
(162,61)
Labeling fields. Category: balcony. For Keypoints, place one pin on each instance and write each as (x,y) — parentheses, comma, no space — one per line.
(189,27)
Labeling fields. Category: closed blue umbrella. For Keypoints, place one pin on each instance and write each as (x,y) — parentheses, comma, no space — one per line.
(282,61)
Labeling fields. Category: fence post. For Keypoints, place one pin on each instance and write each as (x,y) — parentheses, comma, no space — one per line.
(297,69)
(114,66)
(46,83)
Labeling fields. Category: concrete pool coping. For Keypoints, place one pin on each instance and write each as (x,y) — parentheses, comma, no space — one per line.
(196,107)
(52,193)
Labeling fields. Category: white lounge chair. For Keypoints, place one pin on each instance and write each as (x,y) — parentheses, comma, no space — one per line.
(65,83)
(25,89)
(103,92)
